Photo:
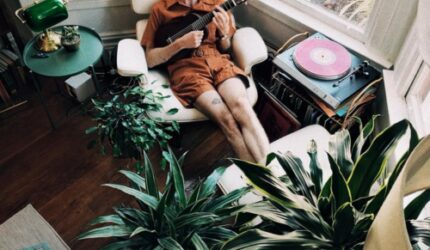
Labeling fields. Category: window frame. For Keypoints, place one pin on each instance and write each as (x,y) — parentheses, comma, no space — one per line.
(381,40)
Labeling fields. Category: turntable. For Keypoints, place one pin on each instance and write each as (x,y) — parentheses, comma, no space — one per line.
(326,69)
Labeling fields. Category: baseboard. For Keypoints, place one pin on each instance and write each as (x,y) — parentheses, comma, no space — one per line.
(111,39)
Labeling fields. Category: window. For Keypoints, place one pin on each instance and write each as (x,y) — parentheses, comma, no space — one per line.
(418,101)
(356,12)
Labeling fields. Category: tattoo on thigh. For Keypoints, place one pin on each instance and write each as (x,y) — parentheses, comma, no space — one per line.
(216,101)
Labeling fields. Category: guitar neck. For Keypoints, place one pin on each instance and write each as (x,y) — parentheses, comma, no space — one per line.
(200,23)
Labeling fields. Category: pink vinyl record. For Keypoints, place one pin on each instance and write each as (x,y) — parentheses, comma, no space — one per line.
(322,59)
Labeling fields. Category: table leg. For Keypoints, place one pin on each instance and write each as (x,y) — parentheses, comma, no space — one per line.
(95,80)
(41,99)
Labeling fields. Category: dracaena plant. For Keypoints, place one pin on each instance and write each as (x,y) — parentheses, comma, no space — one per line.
(124,123)
(301,212)
(169,219)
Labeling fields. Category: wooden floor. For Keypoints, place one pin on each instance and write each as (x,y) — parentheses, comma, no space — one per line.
(61,178)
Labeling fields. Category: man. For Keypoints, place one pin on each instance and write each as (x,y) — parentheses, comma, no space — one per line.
(208,80)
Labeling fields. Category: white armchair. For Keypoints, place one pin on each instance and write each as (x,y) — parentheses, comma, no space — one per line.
(248,49)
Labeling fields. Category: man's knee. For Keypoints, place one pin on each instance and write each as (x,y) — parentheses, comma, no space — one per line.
(241,110)
(228,124)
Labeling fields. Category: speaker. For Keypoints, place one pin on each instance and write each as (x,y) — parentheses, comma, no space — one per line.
(80,86)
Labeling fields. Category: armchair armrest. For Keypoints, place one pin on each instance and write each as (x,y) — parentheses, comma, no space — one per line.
(248,48)
(131,59)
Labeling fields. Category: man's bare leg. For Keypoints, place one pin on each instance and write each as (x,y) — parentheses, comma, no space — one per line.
(235,96)
(211,104)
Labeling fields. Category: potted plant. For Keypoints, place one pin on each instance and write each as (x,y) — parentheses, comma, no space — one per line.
(70,38)
(123,123)
(169,219)
(301,212)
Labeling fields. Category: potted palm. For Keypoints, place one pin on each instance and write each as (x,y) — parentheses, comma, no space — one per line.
(169,219)
(301,212)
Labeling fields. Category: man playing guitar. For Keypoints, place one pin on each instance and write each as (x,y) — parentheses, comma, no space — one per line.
(208,79)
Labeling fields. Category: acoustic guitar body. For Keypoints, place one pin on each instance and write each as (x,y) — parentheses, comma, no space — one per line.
(163,35)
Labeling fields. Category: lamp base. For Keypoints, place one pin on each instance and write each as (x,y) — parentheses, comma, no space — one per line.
(48,41)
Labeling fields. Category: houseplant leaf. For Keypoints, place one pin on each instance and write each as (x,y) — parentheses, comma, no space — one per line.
(372,163)
(340,151)
(414,208)
(339,187)
(178,178)
(363,136)
(262,179)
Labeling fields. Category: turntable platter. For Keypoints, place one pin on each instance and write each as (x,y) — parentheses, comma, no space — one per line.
(322,59)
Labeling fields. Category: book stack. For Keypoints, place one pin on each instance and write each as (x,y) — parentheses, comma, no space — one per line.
(12,74)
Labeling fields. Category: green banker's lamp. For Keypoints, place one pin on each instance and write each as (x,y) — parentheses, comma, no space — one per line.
(40,16)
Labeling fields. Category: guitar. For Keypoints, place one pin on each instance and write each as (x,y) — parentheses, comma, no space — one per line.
(178,27)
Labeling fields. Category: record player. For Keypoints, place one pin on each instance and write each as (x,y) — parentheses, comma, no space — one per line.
(326,69)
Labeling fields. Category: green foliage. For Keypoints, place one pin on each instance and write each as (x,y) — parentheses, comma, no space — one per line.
(301,213)
(70,32)
(168,219)
(123,121)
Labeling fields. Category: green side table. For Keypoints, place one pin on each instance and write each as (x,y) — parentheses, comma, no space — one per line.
(62,63)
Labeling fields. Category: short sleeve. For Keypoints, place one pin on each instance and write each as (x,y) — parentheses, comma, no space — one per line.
(151,27)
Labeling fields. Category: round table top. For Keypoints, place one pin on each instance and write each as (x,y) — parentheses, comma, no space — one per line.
(62,63)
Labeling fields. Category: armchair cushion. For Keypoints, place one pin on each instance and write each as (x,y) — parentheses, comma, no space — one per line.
(248,48)
(131,59)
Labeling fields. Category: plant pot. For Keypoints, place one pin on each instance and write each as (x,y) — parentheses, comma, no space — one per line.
(71,44)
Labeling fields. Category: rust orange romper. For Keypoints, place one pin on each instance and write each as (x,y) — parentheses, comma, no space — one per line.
(207,68)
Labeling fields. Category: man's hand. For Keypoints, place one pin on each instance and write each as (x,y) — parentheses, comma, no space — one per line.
(191,40)
(222,21)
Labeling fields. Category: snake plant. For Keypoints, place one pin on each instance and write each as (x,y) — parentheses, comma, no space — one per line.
(301,212)
(168,219)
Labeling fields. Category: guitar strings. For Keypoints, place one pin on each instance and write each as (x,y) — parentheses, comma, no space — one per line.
(201,22)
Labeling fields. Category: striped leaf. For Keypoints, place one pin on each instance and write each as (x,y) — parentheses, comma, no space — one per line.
(112,218)
(106,232)
(195,220)
(169,243)
(135,178)
(145,198)
(178,178)
(151,183)
(339,187)
(262,179)
(340,151)
(209,185)
(373,162)
(365,132)
(198,242)
(343,224)
(314,166)
(414,208)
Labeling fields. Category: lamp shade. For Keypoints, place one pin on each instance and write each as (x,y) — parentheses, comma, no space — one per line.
(43,15)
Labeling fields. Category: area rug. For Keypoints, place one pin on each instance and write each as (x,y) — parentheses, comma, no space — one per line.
(27,230)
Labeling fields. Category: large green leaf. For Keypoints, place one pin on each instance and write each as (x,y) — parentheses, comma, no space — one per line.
(209,185)
(363,136)
(195,219)
(340,151)
(414,208)
(225,200)
(169,243)
(269,185)
(339,187)
(298,176)
(343,224)
(198,242)
(106,232)
(266,210)
(372,163)
(112,218)
(135,178)
(151,183)
(145,198)
(257,239)
(314,166)
(178,178)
